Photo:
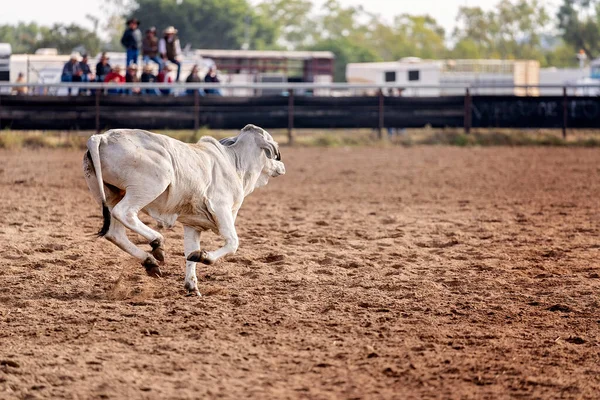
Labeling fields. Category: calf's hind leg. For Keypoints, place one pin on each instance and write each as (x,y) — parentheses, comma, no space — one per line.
(117,235)
(126,211)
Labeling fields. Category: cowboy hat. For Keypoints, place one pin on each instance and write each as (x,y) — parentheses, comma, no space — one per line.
(151,29)
(170,30)
(134,20)
(74,56)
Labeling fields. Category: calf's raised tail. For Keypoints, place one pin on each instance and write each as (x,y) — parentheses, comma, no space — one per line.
(93,146)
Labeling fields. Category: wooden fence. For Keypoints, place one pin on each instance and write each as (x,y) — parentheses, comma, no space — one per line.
(100,112)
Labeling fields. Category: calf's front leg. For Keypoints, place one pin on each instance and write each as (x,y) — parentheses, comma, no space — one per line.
(191,243)
(225,224)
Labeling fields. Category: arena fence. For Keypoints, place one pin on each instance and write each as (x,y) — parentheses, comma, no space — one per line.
(98,110)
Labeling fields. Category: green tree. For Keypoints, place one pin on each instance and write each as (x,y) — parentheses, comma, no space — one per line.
(211,24)
(562,56)
(512,30)
(345,31)
(346,51)
(292,21)
(66,38)
(579,24)
(27,38)
(22,37)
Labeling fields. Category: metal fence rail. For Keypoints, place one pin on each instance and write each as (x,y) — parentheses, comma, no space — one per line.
(102,111)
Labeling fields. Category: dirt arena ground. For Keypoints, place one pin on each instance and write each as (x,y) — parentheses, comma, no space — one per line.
(425,272)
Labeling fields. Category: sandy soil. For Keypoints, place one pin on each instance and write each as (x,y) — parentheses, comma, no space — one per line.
(368,273)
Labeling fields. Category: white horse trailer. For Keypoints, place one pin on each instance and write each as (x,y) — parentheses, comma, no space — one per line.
(5,51)
(408,74)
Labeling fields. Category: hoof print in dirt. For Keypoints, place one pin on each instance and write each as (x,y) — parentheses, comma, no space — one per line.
(200,256)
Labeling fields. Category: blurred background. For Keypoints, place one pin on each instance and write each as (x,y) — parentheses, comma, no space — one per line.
(555,34)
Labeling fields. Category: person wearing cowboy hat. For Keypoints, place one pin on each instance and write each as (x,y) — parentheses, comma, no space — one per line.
(132,40)
(87,75)
(115,76)
(103,68)
(132,77)
(71,70)
(170,48)
(150,48)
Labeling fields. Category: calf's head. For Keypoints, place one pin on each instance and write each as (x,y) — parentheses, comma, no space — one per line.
(260,152)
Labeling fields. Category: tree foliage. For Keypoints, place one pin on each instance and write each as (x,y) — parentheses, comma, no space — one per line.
(209,24)
(514,29)
(579,24)
(26,38)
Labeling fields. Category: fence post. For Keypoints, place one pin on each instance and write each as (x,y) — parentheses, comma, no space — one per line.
(381,109)
(291,117)
(98,111)
(468,111)
(565,113)
(196,110)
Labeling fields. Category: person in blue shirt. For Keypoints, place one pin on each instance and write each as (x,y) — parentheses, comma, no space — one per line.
(103,68)
(71,70)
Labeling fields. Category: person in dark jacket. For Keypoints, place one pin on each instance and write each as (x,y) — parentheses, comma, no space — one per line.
(102,68)
(193,77)
(150,48)
(132,40)
(86,71)
(149,77)
(211,77)
(131,76)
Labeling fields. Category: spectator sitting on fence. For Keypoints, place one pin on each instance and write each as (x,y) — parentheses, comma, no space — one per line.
(211,77)
(102,68)
(150,48)
(149,77)
(71,71)
(20,89)
(115,76)
(131,76)
(86,71)
(193,77)
(87,75)
(163,77)
(132,41)
(170,49)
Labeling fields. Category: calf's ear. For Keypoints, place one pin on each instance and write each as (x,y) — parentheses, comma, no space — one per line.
(271,149)
(228,141)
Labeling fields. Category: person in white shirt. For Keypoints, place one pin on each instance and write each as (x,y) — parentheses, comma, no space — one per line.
(170,49)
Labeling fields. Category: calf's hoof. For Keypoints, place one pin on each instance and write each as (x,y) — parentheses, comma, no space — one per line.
(152,268)
(157,250)
(199,256)
(192,289)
